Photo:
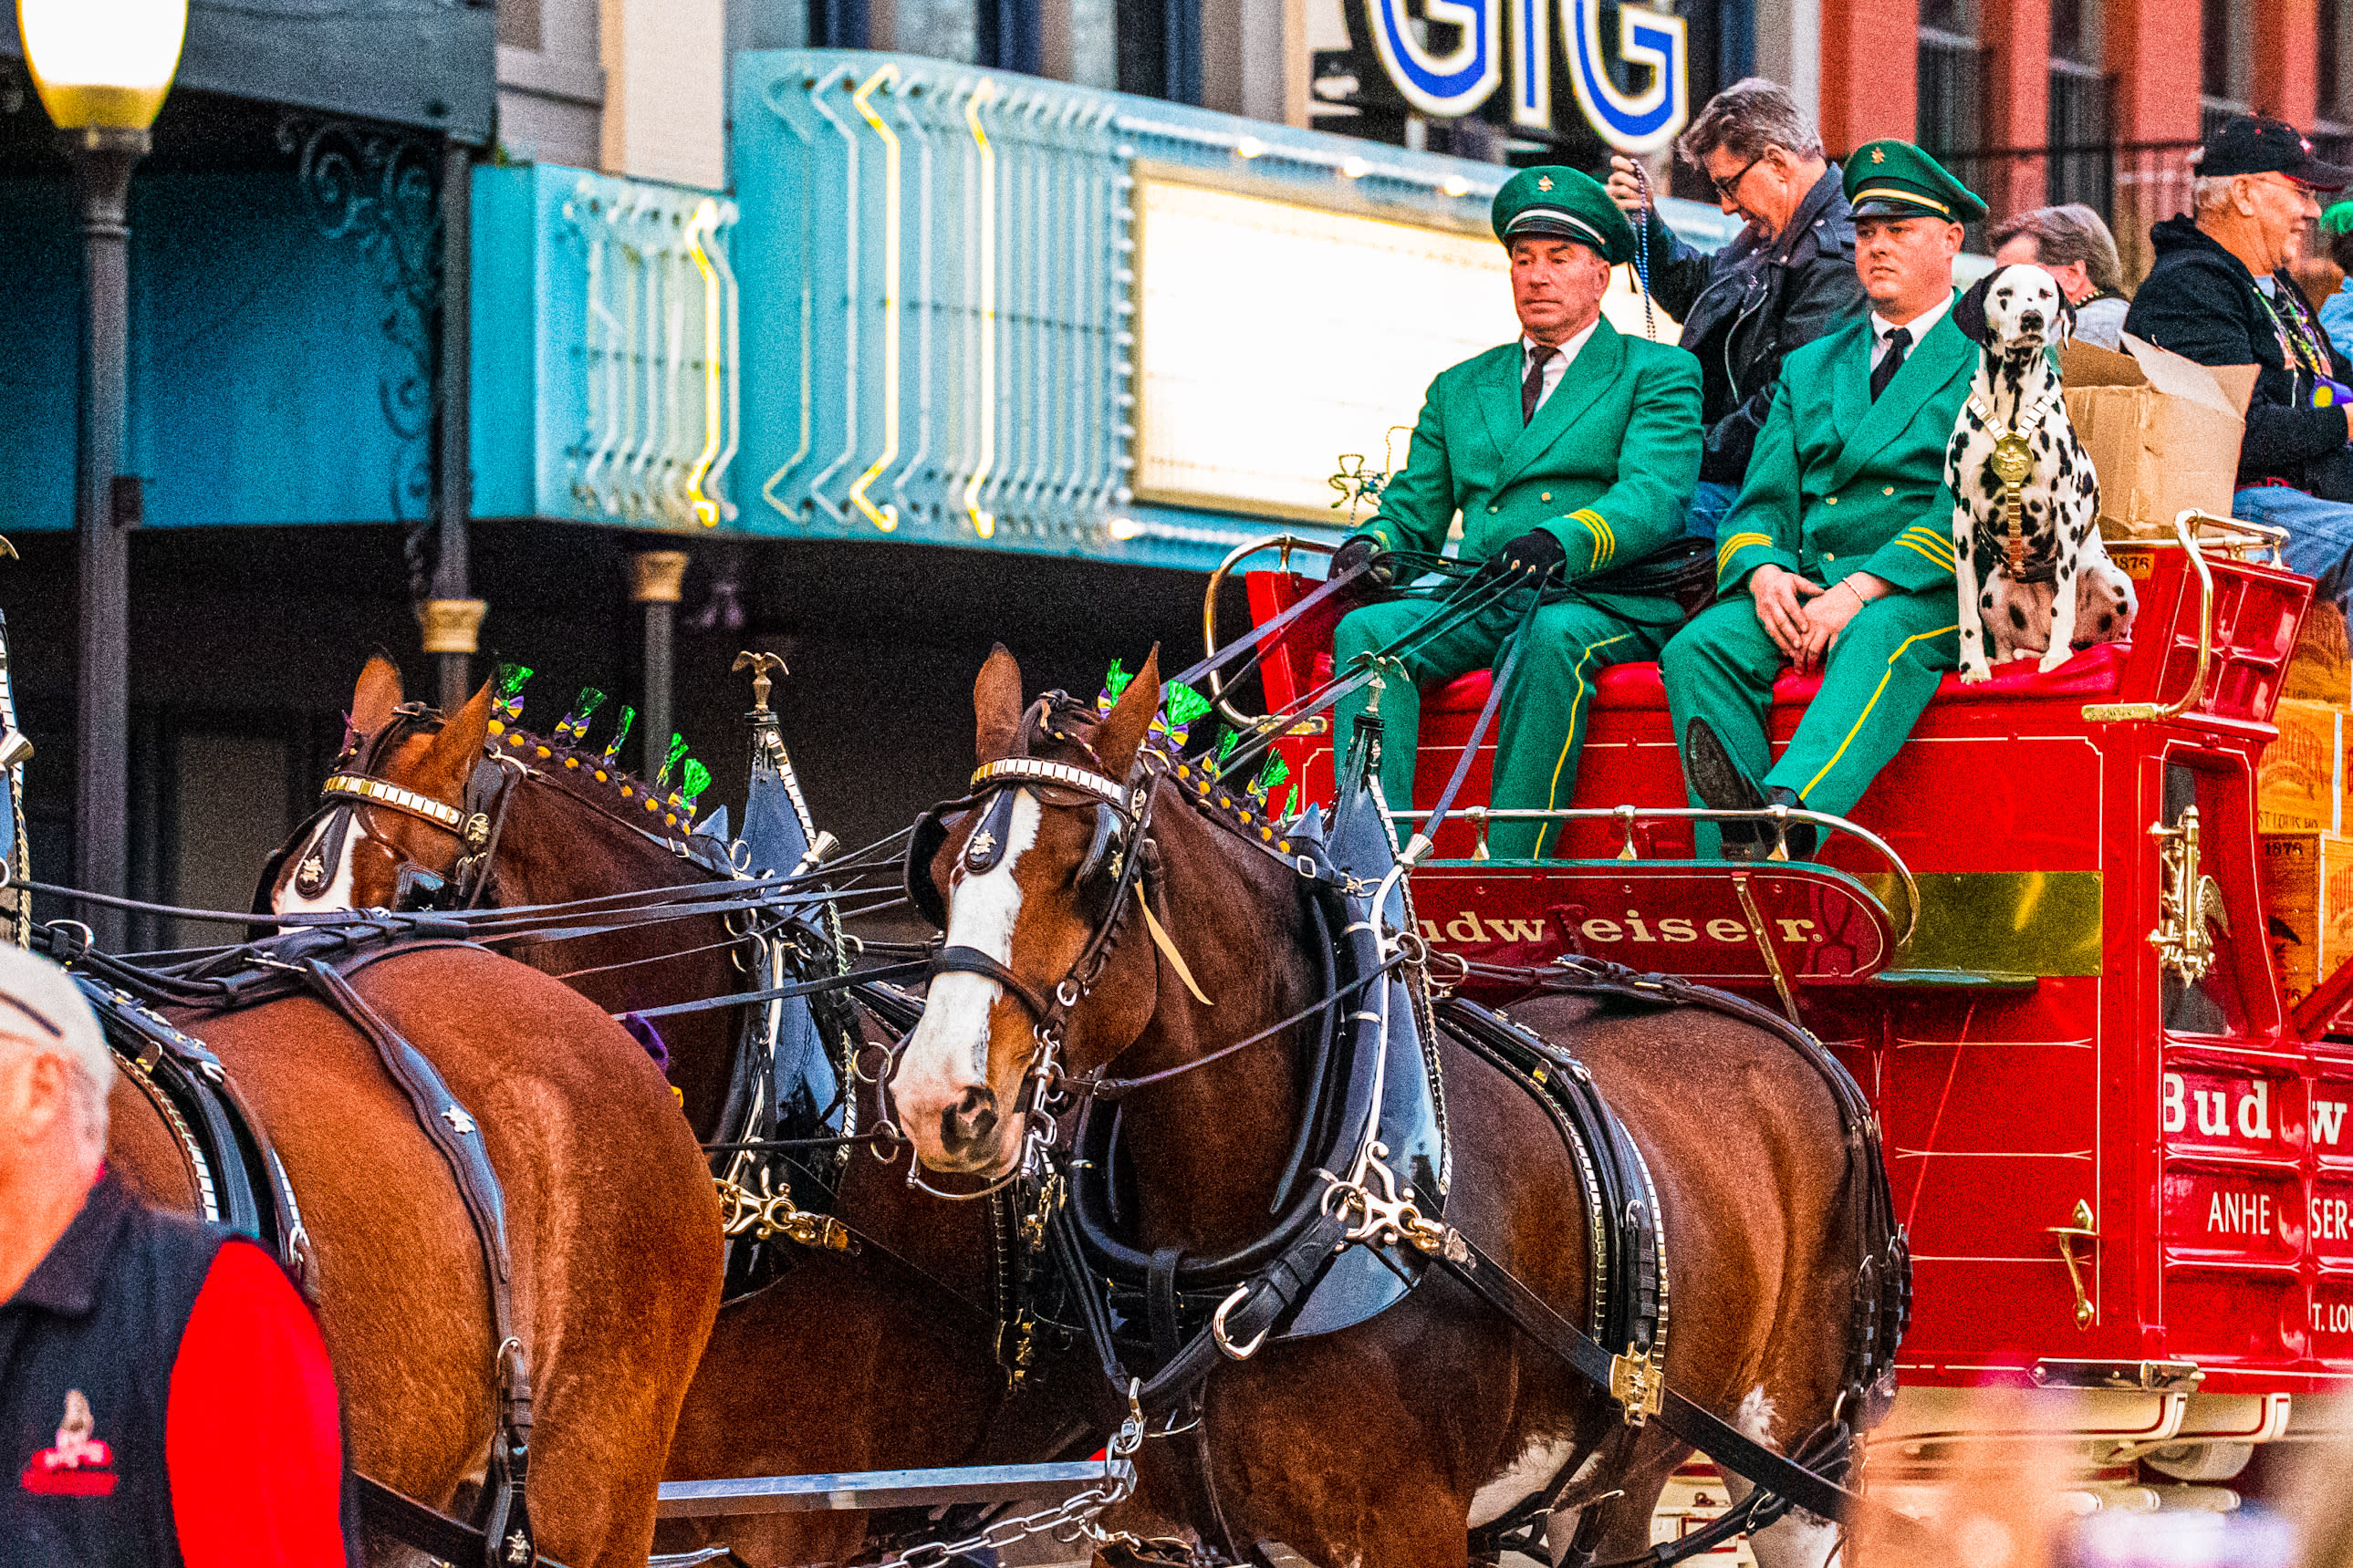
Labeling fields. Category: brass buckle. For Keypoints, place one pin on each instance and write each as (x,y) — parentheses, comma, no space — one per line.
(1638,1381)
(1218,1327)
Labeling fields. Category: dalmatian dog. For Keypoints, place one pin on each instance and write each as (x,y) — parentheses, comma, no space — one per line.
(2032,576)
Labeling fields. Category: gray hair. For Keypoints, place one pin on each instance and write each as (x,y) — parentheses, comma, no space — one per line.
(2066,234)
(42,1008)
(2209,191)
(1745,119)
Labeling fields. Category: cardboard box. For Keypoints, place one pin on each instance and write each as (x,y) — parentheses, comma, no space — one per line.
(2293,868)
(2321,667)
(2307,880)
(2162,432)
(2299,781)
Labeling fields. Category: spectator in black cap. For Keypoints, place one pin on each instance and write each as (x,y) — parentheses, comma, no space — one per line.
(2220,295)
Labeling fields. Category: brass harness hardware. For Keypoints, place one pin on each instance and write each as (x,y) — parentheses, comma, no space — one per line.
(771,1212)
(2188,902)
(1638,1381)
(2088,1229)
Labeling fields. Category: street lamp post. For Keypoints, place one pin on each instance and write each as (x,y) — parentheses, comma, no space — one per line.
(102,68)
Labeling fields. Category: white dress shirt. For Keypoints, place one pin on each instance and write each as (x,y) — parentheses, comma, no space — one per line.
(1918,326)
(1556,367)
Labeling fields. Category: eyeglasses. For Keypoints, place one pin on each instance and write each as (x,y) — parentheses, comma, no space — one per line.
(1729,187)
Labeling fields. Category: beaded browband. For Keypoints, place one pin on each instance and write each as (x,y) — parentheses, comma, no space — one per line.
(376,792)
(1061,775)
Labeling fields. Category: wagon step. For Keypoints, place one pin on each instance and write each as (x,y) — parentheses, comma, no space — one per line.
(877,1488)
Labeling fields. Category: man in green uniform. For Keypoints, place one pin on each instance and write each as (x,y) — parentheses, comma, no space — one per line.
(1567,453)
(1838,554)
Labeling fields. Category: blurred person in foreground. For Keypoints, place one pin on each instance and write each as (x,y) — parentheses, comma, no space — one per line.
(1787,279)
(2073,245)
(165,1394)
(2220,294)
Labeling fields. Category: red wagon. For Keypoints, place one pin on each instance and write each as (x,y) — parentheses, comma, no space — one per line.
(2122,1157)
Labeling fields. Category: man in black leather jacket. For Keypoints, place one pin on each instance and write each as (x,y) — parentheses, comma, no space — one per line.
(1786,280)
(2221,294)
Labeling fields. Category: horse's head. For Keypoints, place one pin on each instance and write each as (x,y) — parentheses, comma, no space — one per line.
(1026,874)
(358,853)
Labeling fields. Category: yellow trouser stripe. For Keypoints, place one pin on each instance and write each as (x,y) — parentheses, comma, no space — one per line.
(1577,697)
(1865,714)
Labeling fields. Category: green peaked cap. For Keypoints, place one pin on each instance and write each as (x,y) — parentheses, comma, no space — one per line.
(1554,202)
(1894,179)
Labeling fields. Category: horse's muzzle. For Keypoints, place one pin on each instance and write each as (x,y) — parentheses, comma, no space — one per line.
(968,1129)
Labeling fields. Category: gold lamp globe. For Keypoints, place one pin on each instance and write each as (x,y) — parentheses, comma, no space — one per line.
(102,65)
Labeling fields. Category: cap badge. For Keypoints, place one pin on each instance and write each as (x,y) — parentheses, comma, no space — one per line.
(1878,155)
(1543,182)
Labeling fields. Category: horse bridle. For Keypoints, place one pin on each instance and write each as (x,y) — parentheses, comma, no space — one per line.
(477,824)
(1122,820)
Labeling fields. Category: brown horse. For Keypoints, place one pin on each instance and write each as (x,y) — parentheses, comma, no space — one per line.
(613,1231)
(1384,1443)
(847,1361)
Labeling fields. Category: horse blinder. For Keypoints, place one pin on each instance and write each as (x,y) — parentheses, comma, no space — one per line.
(930,831)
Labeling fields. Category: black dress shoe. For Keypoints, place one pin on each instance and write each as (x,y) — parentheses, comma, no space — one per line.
(1717,782)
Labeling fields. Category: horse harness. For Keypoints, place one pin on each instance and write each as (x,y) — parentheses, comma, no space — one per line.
(1201,1312)
(241,1183)
(476,825)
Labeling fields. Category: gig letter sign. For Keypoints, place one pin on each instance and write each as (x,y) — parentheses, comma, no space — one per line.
(1459,80)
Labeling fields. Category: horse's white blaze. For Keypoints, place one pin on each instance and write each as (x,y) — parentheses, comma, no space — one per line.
(948,1052)
(338,893)
(1521,1480)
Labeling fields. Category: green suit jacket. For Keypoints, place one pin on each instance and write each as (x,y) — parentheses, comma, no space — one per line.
(1840,484)
(1607,466)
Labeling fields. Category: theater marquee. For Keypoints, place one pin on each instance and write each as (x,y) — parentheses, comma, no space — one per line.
(1275,337)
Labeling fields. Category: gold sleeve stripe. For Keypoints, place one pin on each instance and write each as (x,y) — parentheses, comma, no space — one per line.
(1940,562)
(1605,538)
(1935,543)
(1734,543)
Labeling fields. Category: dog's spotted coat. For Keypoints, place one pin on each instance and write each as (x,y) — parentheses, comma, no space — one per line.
(2068,595)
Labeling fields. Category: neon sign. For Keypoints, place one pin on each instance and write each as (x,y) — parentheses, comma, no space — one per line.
(1459,79)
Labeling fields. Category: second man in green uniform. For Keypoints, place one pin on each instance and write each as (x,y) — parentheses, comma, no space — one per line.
(1566,453)
(1838,554)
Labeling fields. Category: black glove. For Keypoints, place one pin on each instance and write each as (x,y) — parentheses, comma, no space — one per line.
(1362,552)
(1531,557)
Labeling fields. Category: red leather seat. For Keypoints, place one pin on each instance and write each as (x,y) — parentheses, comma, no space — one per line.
(2092,673)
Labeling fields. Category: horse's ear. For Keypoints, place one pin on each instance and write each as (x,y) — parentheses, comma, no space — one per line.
(376,695)
(997,708)
(1122,732)
(458,746)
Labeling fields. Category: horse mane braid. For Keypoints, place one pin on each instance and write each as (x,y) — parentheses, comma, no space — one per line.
(585,776)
